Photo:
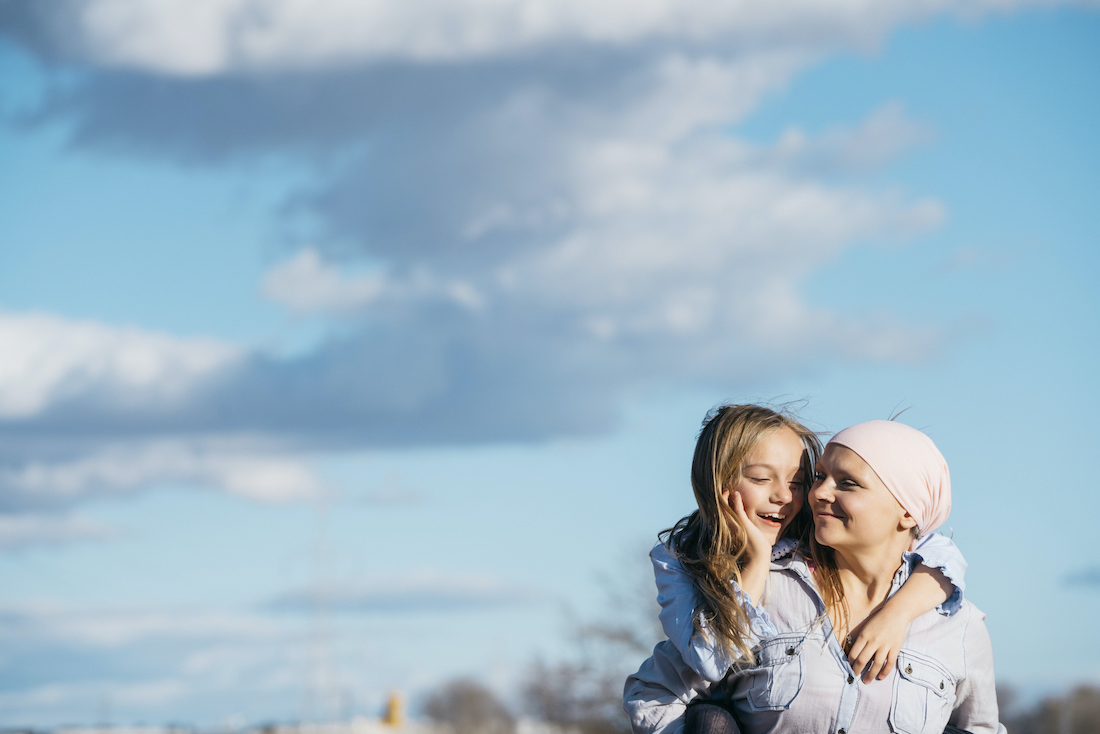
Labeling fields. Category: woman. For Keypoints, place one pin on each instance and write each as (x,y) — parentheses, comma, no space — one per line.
(879,487)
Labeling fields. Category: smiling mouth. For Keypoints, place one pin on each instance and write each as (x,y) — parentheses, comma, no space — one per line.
(771,519)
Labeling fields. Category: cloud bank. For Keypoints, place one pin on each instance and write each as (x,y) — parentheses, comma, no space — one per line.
(418,592)
(519,215)
(198,662)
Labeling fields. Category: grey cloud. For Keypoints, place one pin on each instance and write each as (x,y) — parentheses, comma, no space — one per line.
(40,649)
(1086,578)
(552,229)
(21,531)
(171,37)
(876,142)
(60,662)
(212,119)
(417,593)
(389,388)
(385,389)
(394,491)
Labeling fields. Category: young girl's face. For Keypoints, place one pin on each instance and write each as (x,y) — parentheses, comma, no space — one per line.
(771,482)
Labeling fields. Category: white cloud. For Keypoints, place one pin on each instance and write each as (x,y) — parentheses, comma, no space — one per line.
(49,364)
(416,591)
(212,36)
(546,230)
(26,530)
(137,660)
(670,239)
(305,283)
(876,142)
(394,491)
(215,464)
(146,693)
(45,359)
(110,627)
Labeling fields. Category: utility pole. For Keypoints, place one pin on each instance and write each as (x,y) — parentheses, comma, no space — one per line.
(318,695)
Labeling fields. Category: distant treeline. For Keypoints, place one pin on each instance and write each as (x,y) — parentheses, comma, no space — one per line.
(553,695)
(1077,712)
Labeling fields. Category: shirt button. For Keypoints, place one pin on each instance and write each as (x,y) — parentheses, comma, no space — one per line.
(842,731)
(909,669)
(850,679)
(790,651)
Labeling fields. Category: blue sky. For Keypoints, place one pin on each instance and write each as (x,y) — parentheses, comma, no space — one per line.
(426,309)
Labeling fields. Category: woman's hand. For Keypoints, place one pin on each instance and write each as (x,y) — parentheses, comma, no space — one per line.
(875,644)
(754,574)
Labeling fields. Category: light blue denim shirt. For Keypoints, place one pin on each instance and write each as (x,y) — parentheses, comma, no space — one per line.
(801,681)
(679,601)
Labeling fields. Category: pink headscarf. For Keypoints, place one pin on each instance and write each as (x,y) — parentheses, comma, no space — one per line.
(910,466)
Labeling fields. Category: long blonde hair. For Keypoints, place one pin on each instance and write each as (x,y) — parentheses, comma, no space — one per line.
(710,543)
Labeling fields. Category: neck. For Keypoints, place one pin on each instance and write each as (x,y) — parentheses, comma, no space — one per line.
(865,576)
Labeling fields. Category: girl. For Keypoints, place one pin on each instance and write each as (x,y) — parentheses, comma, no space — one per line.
(750,473)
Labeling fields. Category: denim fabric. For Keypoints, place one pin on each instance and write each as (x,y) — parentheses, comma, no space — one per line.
(679,601)
(801,680)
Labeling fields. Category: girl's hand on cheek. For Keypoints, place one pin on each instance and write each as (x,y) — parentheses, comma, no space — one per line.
(760,545)
(754,573)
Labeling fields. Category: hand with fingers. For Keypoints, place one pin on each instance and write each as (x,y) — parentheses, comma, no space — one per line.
(875,644)
(754,572)
(760,544)
(882,634)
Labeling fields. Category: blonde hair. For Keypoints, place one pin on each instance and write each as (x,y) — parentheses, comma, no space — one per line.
(710,543)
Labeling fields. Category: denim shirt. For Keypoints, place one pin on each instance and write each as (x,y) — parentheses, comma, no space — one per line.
(679,600)
(801,679)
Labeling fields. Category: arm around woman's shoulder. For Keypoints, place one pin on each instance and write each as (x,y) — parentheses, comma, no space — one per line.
(656,697)
(976,694)
(679,603)
(937,551)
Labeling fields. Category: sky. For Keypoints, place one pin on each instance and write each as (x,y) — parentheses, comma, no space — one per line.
(419,306)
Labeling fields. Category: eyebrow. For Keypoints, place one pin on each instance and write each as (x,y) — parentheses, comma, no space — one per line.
(764,466)
(844,473)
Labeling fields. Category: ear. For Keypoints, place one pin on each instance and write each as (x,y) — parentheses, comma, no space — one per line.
(907,522)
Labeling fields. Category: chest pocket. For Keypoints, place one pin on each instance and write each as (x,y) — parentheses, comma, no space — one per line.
(924,693)
(778,675)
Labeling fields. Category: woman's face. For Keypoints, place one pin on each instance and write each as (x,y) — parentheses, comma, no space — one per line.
(853,509)
(771,482)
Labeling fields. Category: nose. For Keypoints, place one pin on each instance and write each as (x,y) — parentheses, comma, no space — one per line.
(822,492)
(782,494)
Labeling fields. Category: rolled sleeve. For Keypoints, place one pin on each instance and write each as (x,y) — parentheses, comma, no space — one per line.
(938,551)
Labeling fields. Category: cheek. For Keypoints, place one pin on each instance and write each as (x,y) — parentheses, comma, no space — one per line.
(751,494)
